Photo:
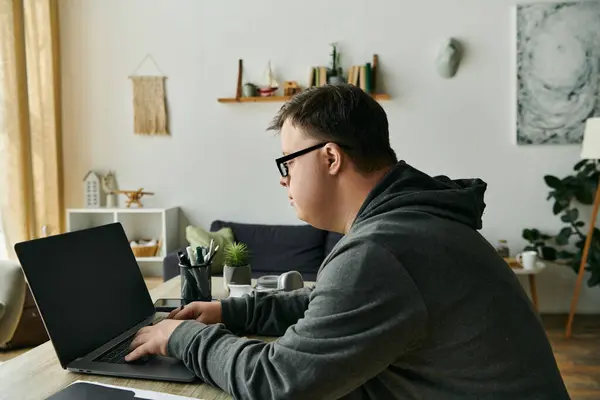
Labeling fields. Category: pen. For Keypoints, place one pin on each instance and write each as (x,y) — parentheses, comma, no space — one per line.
(199,254)
(182,258)
(191,256)
(213,254)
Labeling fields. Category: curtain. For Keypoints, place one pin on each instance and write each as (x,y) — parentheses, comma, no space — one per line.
(31,187)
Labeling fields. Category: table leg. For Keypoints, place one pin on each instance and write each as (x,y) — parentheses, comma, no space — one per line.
(533,289)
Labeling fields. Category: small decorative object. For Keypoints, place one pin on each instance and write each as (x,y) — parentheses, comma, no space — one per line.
(502,248)
(290,88)
(335,73)
(109,186)
(449,58)
(134,196)
(249,90)
(558,48)
(239,290)
(271,85)
(149,102)
(91,190)
(236,269)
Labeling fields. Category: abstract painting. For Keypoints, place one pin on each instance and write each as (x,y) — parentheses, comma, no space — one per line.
(558,75)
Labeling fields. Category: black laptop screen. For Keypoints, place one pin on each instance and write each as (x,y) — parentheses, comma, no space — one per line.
(88,287)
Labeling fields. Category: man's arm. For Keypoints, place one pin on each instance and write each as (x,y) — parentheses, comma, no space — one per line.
(364,312)
(269,314)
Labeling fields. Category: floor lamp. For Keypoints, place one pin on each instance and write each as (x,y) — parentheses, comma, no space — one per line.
(590,150)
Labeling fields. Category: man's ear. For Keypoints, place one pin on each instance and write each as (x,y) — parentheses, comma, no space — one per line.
(334,158)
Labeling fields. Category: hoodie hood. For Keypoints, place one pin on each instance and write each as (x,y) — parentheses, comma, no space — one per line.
(405,187)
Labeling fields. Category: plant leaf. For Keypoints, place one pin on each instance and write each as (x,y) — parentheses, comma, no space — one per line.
(564,235)
(580,164)
(584,195)
(559,206)
(594,279)
(552,181)
(564,255)
(549,253)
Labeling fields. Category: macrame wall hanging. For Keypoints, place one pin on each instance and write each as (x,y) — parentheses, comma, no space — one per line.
(149,101)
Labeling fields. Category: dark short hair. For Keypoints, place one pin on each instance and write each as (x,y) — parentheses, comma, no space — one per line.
(346,115)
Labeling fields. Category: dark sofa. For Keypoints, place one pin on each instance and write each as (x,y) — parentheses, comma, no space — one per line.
(275,249)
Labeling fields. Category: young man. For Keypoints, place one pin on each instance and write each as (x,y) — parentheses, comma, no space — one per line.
(412,303)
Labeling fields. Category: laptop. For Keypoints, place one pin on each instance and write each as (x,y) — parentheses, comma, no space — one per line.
(93,299)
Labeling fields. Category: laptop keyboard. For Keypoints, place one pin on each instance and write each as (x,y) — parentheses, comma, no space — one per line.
(117,354)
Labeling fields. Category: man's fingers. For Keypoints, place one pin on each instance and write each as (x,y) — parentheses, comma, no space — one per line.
(173,313)
(138,341)
(143,331)
(186,313)
(139,352)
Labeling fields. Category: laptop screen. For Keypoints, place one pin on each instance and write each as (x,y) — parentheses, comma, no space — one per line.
(88,287)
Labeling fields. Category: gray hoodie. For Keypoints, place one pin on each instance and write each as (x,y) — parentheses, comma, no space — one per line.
(412,303)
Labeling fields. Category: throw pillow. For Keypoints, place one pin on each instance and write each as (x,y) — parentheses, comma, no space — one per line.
(197,236)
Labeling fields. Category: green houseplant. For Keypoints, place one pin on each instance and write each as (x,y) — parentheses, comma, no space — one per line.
(335,72)
(566,246)
(236,264)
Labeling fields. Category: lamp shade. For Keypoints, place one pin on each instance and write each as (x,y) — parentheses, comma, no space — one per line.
(590,148)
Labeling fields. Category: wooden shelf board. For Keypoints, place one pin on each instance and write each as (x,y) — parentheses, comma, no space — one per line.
(149,259)
(258,99)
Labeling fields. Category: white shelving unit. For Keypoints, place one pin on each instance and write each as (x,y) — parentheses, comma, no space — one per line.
(138,223)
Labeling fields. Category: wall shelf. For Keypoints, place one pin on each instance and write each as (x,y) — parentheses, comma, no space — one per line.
(363,76)
(273,99)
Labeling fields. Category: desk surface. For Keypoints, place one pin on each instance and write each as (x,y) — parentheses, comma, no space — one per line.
(37,374)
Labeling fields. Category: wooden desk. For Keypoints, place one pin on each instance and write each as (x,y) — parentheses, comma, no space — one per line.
(37,374)
(531,273)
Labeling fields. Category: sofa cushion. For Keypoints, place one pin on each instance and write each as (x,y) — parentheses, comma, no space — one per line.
(197,236)
(331,241)
(279,248)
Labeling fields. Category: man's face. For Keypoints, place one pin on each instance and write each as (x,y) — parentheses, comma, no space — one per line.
(307,178)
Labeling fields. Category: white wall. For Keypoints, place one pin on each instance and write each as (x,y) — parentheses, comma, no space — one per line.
(218,162)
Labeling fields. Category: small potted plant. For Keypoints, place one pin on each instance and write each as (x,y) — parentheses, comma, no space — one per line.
(334,73)
(236,265)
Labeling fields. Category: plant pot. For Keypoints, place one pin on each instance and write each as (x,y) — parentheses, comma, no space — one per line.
(237,275)
(336,80)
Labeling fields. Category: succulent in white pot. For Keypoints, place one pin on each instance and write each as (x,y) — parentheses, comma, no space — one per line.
(236,265)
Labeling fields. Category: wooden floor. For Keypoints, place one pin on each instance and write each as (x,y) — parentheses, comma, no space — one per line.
(578,357)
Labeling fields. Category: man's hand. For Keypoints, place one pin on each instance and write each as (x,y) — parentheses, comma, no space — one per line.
(152,340)
(206,312)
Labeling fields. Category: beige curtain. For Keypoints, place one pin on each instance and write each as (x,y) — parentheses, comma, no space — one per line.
(31,187)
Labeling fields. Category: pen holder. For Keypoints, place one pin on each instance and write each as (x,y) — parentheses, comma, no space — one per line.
(195,283)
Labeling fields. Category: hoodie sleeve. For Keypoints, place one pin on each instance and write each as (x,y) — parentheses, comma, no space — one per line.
(363,313)
(268,315)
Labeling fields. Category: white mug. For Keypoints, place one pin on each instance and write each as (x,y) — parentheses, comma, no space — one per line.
(239,290)
(528,259)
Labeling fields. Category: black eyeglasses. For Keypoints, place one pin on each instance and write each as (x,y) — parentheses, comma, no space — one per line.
(282,161)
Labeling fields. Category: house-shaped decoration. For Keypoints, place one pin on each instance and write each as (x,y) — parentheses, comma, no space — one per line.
(290,88)
(92,190)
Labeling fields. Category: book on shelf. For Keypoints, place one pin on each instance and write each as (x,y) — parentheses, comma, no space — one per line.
(317,76)
(362,76)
